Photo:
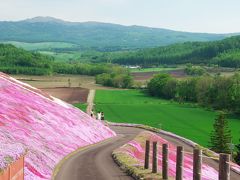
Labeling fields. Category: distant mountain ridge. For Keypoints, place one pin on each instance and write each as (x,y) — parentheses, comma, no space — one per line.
(96,35)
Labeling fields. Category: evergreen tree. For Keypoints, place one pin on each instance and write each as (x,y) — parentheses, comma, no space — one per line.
(221,135)
(237,158)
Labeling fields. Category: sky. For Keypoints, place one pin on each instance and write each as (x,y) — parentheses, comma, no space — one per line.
(212,16)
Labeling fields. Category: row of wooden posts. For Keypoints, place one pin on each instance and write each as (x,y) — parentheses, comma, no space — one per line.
(224,162)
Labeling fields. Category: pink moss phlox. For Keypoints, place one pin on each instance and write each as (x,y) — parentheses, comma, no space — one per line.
(47,127)
(10,153)
(137,151)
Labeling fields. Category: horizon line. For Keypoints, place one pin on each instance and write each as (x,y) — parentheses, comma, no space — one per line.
(113,23)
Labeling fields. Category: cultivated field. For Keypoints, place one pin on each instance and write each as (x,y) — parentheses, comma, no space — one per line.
(145,74)
(58,86)
(187,120)
(57,81)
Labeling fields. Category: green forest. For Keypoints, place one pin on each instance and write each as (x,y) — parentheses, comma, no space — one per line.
(218,92)
(18,61)
(224,53)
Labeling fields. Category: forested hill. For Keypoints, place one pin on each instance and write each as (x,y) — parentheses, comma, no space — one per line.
(19,61)
(95,35)
(15,60)
(224,53)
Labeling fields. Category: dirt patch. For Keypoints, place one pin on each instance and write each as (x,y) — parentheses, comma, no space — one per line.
(70,95)
(178,73)
(141,76)
(144,76)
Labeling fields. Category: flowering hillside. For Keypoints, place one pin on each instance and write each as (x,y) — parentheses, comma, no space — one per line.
(136,149)
(46,127)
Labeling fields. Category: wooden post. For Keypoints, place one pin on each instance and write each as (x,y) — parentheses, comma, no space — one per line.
(179,163)
(147,150)
(197,164)
(165,161)
(224,167)
(154,158)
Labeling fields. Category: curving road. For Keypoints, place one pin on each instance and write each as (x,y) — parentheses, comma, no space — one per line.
(96,163)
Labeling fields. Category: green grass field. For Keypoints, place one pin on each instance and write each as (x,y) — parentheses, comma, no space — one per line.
(157,69)
(187,120)
(81,106)
(66,56)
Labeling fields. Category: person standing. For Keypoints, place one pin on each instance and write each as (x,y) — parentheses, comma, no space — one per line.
(102,116)
(92,113)
(98,115)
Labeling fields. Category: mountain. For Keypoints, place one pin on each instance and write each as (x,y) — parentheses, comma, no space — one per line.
(96,35)
(46,19)
(48,128)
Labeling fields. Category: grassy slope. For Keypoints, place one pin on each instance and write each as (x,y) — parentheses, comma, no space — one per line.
(132,106)
(81,106)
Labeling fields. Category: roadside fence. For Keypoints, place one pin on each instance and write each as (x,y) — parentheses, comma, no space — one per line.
(224,161)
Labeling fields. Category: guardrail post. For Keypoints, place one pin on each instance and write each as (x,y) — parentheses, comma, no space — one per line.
(179,163)
(197,164)
(147,150)
(224,167)
(154,158)
(165,161)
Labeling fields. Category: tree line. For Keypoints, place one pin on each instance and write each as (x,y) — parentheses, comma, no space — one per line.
(218,92)
(224,53)
(123,80)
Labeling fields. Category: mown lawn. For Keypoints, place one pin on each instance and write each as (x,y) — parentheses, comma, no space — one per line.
(187,120)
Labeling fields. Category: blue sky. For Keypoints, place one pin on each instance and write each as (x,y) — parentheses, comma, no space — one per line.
(215,16)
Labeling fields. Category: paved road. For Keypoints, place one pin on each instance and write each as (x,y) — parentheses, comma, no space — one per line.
(96,163)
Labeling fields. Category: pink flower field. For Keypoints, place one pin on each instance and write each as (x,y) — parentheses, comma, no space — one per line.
(136,149)
(44,127)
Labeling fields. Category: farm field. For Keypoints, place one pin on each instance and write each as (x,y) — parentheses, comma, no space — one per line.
(157,69)
(59,80)
(64,56)
(70,95)
(40,45)
(187,120)
(145,74)
(58,86)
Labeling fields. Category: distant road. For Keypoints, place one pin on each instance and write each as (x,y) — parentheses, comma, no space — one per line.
(90,100)
(96,163)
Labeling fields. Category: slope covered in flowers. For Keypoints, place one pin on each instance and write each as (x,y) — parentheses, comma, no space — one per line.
(136,148)
(47,128)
